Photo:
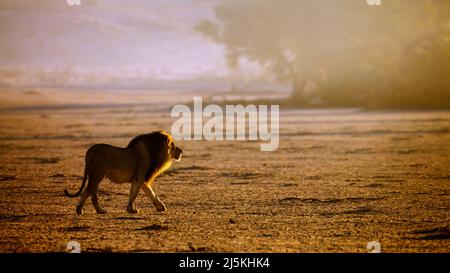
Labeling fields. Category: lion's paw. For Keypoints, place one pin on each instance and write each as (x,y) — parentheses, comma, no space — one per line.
(133,210)
(160,207)
(79,211)
(102,211)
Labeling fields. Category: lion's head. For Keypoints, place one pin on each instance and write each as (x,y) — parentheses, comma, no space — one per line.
(161,144)
(174,151)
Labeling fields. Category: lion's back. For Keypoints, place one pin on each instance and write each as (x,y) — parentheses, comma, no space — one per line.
(105,153)
(154,140)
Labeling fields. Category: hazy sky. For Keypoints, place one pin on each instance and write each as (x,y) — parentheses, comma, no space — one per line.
(137,38)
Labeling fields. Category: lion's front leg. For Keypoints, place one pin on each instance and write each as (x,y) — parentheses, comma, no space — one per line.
(133,194)
(153,197)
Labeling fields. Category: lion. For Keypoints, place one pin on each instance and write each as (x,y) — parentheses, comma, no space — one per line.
(144,158)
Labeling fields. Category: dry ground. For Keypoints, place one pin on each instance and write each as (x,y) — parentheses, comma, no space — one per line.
(339,180)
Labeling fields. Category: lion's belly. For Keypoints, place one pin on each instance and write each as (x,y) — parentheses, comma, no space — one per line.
(120,177)
(122,171)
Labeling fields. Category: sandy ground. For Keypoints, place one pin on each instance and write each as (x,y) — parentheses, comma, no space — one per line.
(339,180)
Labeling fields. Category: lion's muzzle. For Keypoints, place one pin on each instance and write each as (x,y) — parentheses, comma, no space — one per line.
(177,153)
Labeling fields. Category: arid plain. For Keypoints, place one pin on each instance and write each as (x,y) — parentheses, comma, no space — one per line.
(340,179)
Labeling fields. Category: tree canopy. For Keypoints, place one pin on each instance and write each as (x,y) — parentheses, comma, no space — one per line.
(343,53)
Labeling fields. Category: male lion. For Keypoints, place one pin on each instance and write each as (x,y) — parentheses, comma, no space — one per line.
(145,157)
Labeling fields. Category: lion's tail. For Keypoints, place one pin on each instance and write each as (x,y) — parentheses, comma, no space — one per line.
(82,184)
(80,190)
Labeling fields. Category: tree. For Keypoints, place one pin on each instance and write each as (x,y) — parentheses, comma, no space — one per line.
(342,53)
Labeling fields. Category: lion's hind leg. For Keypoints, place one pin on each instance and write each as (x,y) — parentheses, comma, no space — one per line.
(91,190)
(83,197)
(94,199)
(94,194)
